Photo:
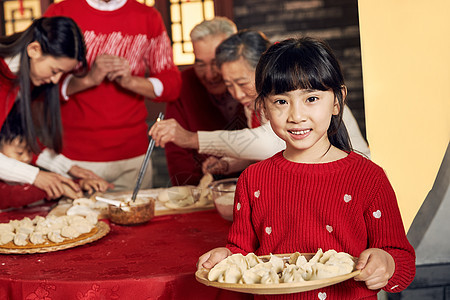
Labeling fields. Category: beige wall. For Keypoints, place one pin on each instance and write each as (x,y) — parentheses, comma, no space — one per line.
(406,73)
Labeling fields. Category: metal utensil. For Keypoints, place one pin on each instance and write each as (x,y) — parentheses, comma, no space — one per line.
(151,145)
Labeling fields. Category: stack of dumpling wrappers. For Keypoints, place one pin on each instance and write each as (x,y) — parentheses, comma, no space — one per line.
(250,269)
(40,230)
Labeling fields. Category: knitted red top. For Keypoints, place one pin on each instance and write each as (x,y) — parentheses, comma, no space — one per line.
(108,123)
(8,90)
(347,205)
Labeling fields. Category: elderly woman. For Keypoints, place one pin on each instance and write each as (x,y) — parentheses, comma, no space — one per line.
(237,58)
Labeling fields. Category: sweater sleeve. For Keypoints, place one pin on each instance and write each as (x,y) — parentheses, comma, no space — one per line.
(160,62)
(251,144)
(57,163)
(386,231)
(15,171)
(18,195)
(242,237)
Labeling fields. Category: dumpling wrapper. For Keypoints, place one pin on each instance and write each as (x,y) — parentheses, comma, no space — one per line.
(6,237)
(270,278)
(20,239)
(252,260)
(70,232)
(37,238)
(6,227)
(231,275)
(55,236)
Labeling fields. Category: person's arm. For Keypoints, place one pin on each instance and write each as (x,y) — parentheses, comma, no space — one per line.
(12,170)
(62,165)
(51,161)
(386,232)
(249,144)
(17,195)
(224,165)
(358,142)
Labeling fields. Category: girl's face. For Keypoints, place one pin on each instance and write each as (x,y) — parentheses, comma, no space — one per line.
(239,79)
(17,150)
(46,68)
(301,118)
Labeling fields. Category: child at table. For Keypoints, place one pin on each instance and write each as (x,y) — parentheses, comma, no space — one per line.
(317,193)
(13,145)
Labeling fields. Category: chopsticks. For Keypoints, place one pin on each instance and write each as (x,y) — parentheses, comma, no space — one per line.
(151,145)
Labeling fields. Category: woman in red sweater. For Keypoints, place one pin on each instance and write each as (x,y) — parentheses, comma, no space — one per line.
(31,64)
(317,193)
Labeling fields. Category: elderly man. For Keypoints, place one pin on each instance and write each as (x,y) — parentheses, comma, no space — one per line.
(204,102)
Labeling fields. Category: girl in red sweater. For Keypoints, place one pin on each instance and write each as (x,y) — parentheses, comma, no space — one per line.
(317,193)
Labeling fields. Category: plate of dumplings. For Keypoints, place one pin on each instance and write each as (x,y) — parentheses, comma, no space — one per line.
(280,273)
(51,233)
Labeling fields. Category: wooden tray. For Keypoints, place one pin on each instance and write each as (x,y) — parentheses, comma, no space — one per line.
(277,288)
(100,230)
(160,208)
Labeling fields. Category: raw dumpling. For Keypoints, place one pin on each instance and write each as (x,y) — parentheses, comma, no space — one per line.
(55,236)
(6,237)
(20,239)
(218,270)
(270,278)
(277,263)
(231,275)
(326,256)
(6,227)
(37,238)
(252,260)
(250,276)
(70,232)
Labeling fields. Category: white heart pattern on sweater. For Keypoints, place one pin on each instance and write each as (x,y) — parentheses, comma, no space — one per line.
(329,228)
(377,214)
(268,230)
(238,206)
(257,193)
(347,198)
(322,296)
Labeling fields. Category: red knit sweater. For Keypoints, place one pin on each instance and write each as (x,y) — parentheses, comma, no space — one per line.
(347,205)
(8,90)
(108,123)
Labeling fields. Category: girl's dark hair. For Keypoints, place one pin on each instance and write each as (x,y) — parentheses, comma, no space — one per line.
(12,127)
(248,44)
(58,37)
(304,63)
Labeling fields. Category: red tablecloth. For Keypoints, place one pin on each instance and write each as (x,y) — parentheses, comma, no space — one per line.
(152,261)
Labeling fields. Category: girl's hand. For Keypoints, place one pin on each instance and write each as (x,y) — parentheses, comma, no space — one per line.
(213,257)
(170,130)
(79,172)
(377,267)
(52,184)
(214,165)
(93,184)
(70,193)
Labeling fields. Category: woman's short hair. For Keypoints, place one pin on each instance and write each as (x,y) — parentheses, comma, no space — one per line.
(248,44)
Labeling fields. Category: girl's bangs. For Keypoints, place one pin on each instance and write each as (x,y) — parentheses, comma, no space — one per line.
(290,73)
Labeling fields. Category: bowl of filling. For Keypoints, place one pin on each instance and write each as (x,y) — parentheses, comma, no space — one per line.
(222,192)
(128,212)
